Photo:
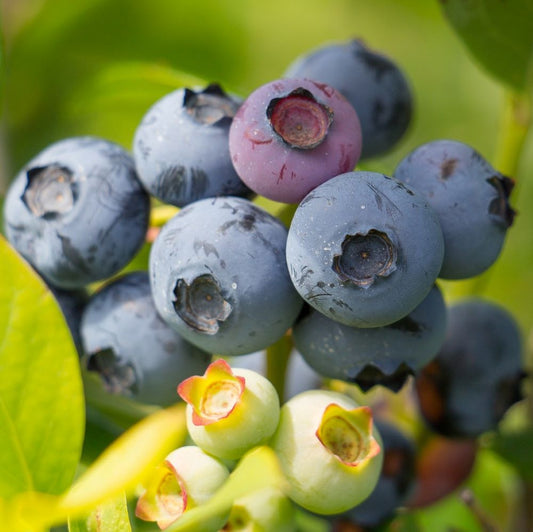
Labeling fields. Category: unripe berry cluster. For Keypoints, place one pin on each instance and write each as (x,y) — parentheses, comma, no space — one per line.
(353,279)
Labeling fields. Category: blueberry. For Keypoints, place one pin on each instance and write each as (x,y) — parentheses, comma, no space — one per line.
(476,376)
(364,249)
(395,483)
(219,276)
(371,82)
(77,211)
(72,304)
(379,355)
(470,198)
(329,450)
(187,478)
(229,411)
(181,146)
(135,352)
(291,135)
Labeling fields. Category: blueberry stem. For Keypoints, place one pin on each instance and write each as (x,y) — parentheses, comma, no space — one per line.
(470,501)
(161,214)
(286,213)
(516,121)
(277,358)
(307,522)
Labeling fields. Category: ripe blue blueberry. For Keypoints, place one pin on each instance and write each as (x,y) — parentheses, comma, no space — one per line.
(181,147)
(77,211)
(477,373)
(370,81)
(470,198)
(364,249)
(291,135)
(219,276)
(135,352)
(379,355)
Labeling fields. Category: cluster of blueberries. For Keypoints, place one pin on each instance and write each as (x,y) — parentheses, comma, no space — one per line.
(353,278)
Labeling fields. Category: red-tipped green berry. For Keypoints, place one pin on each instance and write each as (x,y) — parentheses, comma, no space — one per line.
(229,411)
(329,451)
(187,478)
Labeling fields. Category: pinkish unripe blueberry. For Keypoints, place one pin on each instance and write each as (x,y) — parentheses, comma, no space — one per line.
(291,135)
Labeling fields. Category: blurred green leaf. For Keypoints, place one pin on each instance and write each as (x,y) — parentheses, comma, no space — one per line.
(41,398)
(120,469)
(2,62)
(67,45)
(450,514)
(121,410)
(497,495)
(109,517)
(258,469)
(499,34)
(100,432)
(516,449)
(118,96)
(126,462)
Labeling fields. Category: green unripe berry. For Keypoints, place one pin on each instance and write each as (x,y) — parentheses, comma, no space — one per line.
(267,510)
(329,451)
(229,411)
(187,478)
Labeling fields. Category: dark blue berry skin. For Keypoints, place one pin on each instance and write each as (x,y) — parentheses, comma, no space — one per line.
(371,82)
(379,355)
(477,374)
(181,147)
(394,486)
(77,211)
(135,352)
(219,276)
(364,249)
(470,198)
(72,304)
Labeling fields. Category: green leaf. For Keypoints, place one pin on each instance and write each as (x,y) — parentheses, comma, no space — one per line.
(118,96)
(65,45)
(121,468)
(120,409)
(499,34)
(447,515)
(41,398)
(109,517)
(126,462)
(258,469)
(515,448)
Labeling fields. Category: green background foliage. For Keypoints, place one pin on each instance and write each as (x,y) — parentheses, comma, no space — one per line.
(95,66)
